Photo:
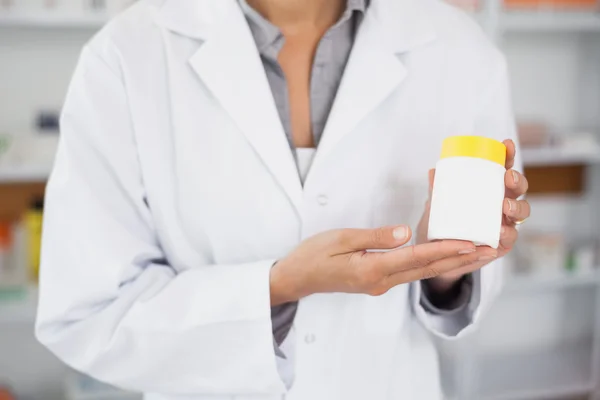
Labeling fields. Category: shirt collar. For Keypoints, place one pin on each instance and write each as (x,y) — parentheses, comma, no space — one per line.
(265,33)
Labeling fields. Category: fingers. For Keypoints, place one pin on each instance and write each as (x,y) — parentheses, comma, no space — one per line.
(467,269)
(422,255)
(516,210)
(388,237)
(431,180)
(461,264)
(511,152)
(508,237)
(516,184)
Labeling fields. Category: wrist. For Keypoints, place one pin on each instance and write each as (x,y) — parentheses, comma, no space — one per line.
(443,293)
(281,287)
(442,284)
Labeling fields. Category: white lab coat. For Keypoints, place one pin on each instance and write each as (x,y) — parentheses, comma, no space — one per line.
(174,191)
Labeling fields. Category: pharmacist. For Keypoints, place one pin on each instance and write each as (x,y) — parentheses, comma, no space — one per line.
(223,167)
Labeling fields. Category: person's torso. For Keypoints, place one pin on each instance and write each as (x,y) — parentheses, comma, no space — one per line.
(223,185)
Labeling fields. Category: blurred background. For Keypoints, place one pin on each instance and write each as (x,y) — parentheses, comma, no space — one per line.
(541,341)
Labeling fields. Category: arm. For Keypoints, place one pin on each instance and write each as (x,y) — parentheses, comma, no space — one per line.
(494,119)
(110,304)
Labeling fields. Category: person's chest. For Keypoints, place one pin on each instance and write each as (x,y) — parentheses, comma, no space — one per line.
(304,65)
(219,171)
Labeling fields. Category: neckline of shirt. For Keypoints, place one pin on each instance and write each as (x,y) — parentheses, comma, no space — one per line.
(266,34)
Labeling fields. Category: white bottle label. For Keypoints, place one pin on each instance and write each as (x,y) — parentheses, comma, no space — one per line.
(467,200)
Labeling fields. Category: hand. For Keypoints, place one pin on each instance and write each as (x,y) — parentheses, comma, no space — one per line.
(338,261)
(514,210)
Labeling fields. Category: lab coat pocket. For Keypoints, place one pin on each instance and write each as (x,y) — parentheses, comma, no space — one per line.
(399,204)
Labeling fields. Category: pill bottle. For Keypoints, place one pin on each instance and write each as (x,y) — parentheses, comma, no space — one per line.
(468,191)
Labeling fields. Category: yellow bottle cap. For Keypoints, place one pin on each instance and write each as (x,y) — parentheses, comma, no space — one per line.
(474,146)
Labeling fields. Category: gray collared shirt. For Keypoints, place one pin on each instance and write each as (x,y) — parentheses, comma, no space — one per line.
(328,68)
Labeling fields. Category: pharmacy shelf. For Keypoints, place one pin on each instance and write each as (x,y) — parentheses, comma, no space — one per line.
(19,307)
(23,173)
(557,156)
(52,20)
(558,21)
(536,282)
(544,374)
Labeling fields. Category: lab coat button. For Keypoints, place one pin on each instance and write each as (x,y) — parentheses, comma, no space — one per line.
(309,338)
(322,200)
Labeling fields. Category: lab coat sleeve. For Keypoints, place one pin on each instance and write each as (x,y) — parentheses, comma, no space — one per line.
(110,304)
(456,302)
(493,118)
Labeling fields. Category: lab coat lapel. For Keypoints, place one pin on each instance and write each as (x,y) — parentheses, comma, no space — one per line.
(374,69)
(230,66)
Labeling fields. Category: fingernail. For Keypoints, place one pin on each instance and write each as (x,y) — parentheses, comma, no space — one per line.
(510,205)
(400,233)
(488,257)
(467,251)
(515,177)
(502,231)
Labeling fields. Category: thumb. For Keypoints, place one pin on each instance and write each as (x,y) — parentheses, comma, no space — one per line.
(388,237)
(431,180)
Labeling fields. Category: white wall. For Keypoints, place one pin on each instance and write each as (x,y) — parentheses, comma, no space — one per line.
(556,79)
(27,367)
(35,69)
(545,69)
